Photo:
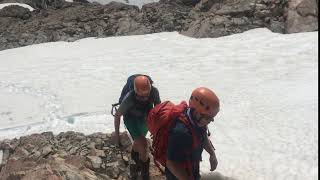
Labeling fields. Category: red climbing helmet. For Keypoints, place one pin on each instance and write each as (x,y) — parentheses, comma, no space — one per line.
(204,101)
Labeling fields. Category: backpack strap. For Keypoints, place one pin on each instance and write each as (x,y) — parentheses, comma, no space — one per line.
(185,121)
(114,108)
(188,165)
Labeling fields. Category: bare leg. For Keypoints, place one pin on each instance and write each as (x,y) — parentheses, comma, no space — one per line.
(140,145)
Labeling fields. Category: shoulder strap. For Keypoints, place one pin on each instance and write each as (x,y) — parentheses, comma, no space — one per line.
(195,141)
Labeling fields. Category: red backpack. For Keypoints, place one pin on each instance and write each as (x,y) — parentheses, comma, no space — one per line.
(160,120)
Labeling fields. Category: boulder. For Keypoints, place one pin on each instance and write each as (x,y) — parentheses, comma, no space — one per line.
(302,16)
(15,11)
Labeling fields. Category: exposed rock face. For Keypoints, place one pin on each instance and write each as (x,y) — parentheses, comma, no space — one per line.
(74,21)
(57,20)
(68,155)
(70,22)
(215,18)
(302,16)
(160,17)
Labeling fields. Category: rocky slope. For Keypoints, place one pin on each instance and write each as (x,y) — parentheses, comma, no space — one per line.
(68,155)
(58,20)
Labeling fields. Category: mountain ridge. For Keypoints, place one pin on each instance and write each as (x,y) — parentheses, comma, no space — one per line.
(58,20)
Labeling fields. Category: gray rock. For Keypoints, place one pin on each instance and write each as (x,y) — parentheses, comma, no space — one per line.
(5,156)
(34,154)
(15,11)
(95,161)
(242,8)
(112,170)
(307,8)
(100,153)
(47,150)
(302,17)
(277,26)
(296,23)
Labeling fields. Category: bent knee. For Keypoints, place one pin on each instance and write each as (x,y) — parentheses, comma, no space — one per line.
(141,141)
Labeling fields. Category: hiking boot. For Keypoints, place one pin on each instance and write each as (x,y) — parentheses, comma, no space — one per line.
(134,172)
(145,170)
(135,156)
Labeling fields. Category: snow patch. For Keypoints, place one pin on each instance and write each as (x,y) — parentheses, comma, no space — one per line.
(18,4)
(138,3)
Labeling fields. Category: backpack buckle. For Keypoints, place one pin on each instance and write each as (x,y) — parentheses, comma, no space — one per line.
(114,108)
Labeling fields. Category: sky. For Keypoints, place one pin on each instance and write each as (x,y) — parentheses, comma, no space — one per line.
(267,84)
